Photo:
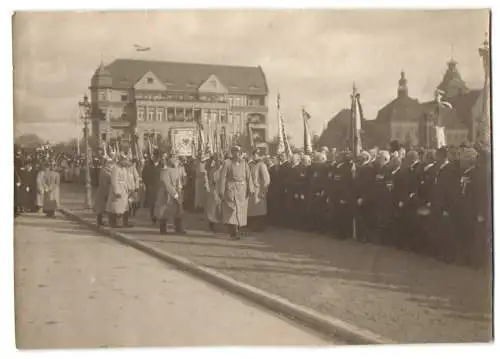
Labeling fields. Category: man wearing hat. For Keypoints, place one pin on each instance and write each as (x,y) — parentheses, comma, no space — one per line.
(151,180)
(169,202)
(257,205)
(236,186)
(103,189)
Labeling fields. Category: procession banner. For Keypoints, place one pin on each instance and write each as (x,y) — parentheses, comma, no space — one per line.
(182,140)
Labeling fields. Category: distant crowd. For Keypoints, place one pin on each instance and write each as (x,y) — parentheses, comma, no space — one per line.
(436,202)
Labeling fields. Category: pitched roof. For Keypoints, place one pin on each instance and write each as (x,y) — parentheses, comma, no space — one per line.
(463,104)
(449,117)
(337,131)
(188,76)
(400,109)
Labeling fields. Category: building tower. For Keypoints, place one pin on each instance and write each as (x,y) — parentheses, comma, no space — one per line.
(452,83)
(101,81)
(403,86)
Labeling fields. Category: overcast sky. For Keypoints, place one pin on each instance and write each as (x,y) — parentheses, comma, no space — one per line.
(312,57)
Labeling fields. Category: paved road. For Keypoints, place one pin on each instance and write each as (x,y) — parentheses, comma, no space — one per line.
(76,289)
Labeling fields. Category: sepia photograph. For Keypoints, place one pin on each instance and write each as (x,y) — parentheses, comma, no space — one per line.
(252,177)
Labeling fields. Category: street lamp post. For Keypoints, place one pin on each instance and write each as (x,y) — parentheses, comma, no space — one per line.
(484,52)
(85,116)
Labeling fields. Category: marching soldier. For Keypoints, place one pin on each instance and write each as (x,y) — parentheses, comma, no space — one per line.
(135,185)
(257,204)
(103,190)
(118,200)
(236,186)
(169,203)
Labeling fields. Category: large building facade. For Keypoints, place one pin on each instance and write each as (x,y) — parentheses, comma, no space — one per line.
(411,122)
(139,99)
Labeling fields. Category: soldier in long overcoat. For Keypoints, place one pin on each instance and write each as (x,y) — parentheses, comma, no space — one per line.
(213,209)
(50,185)
(103,190)
(236,186)
(135,185)
(274,204)
(118,199)
(257,203)
(169,203)
(151,180)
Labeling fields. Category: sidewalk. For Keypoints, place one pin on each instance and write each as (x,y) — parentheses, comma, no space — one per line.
(396,294)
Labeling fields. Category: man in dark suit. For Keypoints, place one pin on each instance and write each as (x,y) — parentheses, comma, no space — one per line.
(364,179)
(445,195)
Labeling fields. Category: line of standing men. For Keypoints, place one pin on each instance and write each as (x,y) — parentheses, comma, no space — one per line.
(438,202)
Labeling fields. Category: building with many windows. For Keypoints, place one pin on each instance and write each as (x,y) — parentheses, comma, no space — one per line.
(145,97)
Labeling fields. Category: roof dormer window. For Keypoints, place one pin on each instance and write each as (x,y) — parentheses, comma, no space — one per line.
(149,80)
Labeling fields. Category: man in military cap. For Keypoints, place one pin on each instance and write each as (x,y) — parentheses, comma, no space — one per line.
(103,190)
(169,203)
(236,186)
(118,204)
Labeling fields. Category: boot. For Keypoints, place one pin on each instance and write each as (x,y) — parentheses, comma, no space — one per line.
(99,220)
(152,215)
(163,226)
(113,220)
(178,226)
(126,222)
(233,232)
(211,226)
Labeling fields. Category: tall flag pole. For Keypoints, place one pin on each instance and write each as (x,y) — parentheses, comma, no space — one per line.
(356,114)
(440,135)
(307,135)
(281,135)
